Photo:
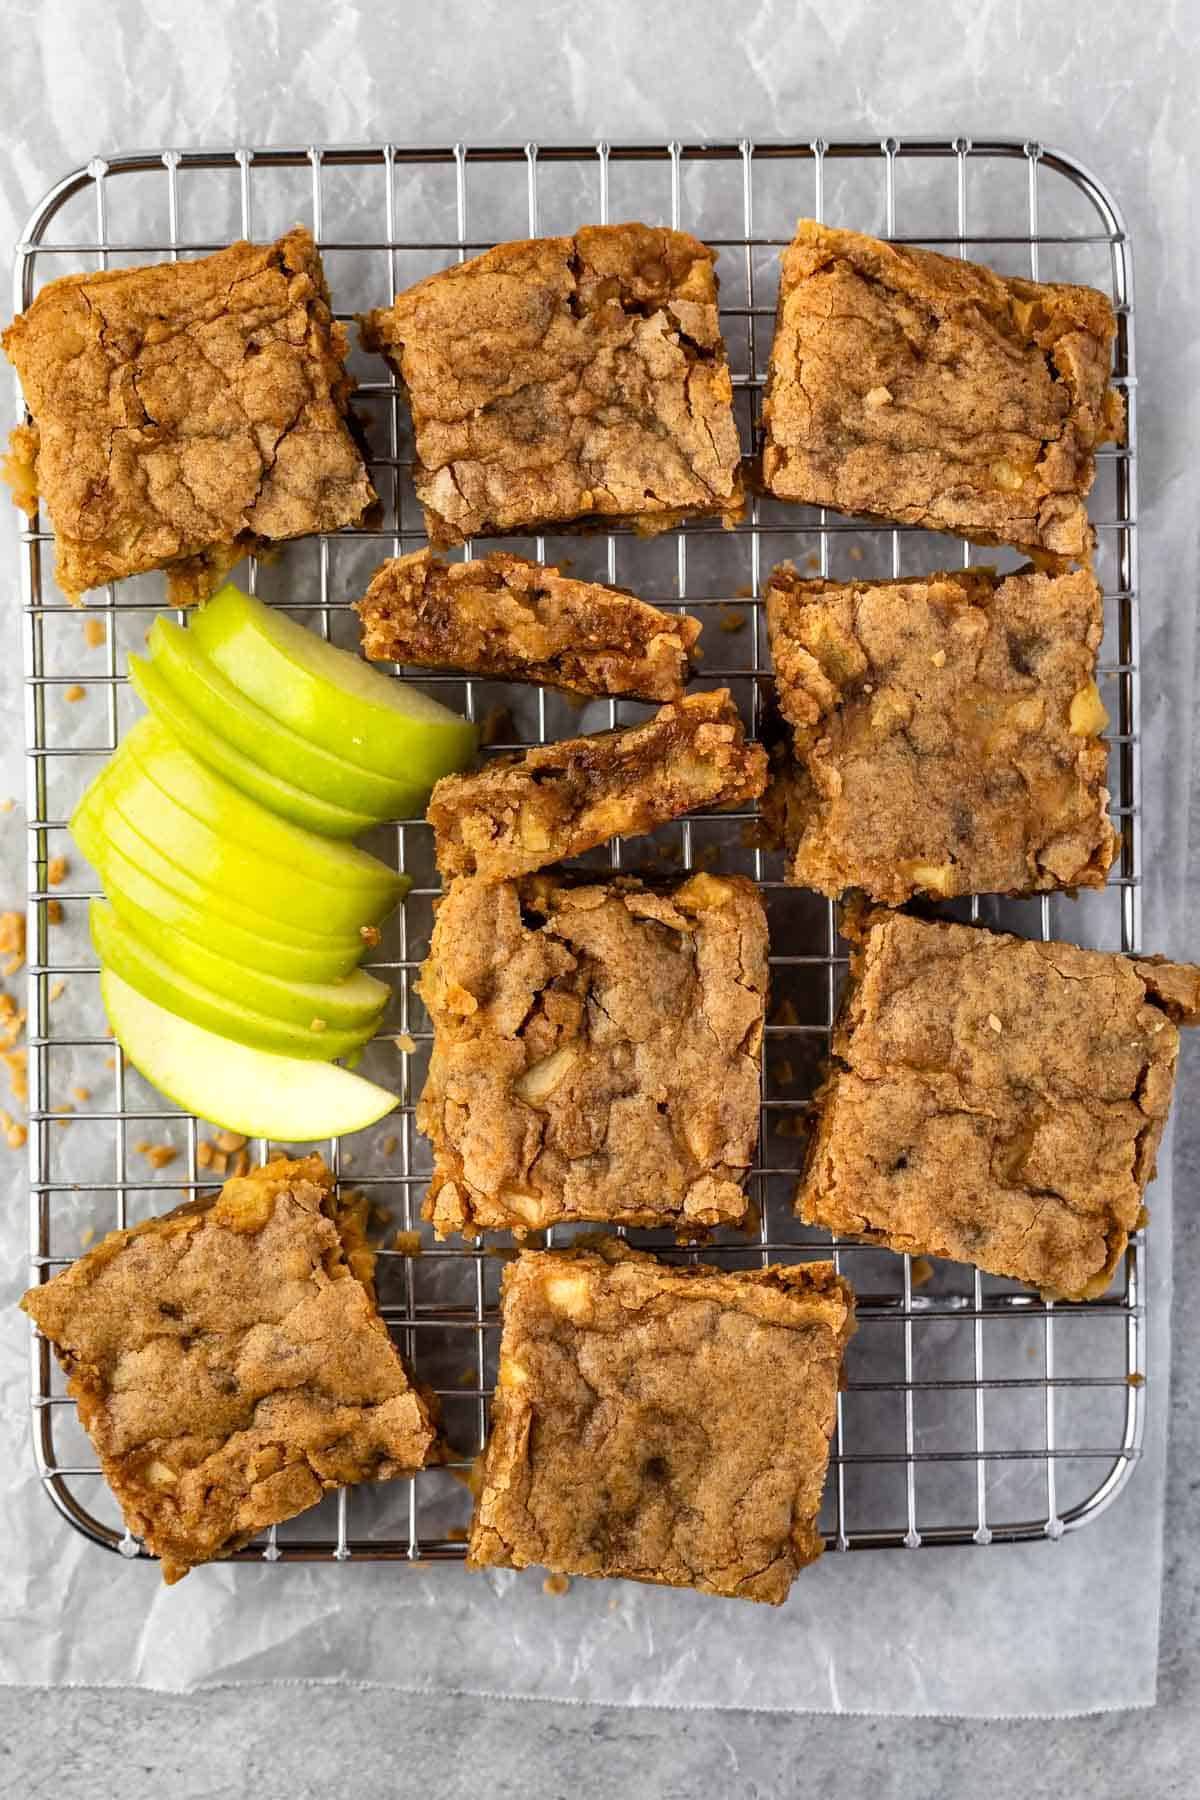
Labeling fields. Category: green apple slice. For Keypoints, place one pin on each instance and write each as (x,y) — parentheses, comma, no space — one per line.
(120,949)
(282,797)
(243,823)
(328,695)
(355,1002)
(116,849)
(230,1085)
(240,721)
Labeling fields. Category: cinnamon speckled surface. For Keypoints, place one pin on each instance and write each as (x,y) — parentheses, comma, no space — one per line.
(75,79)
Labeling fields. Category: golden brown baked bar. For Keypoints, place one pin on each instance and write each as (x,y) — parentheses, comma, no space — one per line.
(558,800)
(945,732)
(996,1101)
(910,386)
(662,1424)
(184,414)
(229,1363)
(567,378)
(596,1052)
(508,617)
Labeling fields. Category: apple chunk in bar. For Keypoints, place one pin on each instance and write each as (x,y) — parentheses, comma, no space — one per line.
(230,1365)
(596,1053)
(996,1101)
(563,379)
(186,413)
(659,1423)
(555,801)
(510,618)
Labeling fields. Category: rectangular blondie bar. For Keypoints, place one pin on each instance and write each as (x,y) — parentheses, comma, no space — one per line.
(996,1101)
(945,732)
(521,812)
(596,1052)
(566,378)
(510,618)
(185,413)
(914,387)
(662,1424)
(229,1363)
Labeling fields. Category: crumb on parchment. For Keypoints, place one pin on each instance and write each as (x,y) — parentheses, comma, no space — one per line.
(56,870)
(74,693)
(12,942)
(15,1135)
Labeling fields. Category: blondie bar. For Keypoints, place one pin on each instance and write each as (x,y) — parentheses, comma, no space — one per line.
(507,617)
(567,378)
(946,733)
(662,1424)
(229,1363)
(910,386)
(596,1052)
(184,414)
(523,811)
(996,1101)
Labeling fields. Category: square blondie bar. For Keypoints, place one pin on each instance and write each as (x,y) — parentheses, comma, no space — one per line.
(229,1363)
(521,812)
(596,1052)
(914,387)
(567,378)
(945,733)
(185,413)
(517,620)
(996,1101)
(662,1424)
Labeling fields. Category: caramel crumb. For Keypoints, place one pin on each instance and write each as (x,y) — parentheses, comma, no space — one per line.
(58,989)
(64,1106)
(812,561)
(54,912)
(240,1164)
(82,1093)
(389,1144)
(157,1155)
(204,1154)
(15,1136)
(731,618)
(17,1064)
(457,1534)
(219,1163)
(12,1020)
(855,553)
(94,632)
(404,1041)
(87,1236)
(370,935)
(74,692)
(922,1271)
(938,659)
(408,1243)
(1135,1380)
(56,870)
(110,1062)
(556,1585)
(12,941)
(229,1141)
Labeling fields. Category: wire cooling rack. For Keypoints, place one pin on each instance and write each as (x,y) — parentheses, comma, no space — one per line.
(973,1411)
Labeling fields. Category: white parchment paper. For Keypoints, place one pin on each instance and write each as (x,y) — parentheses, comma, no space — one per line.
(1044,1628)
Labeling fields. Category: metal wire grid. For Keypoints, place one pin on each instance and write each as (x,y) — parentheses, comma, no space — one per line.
(974,1412)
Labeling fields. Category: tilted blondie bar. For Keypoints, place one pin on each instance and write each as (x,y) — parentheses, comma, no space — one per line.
(914,387)
(567,378)
(507,617)
(946,733)
(662,1424)
(229,1363)
(523,811)
(185,413)
(996,1101)
(596,1052)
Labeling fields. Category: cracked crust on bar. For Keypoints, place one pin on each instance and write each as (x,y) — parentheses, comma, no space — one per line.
(229,1363)
(521,812)
(507,617)
(184,414)
(596,1052)
(908,386)
(946,734)
(996,1101)
(659,1423)
(564,379)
